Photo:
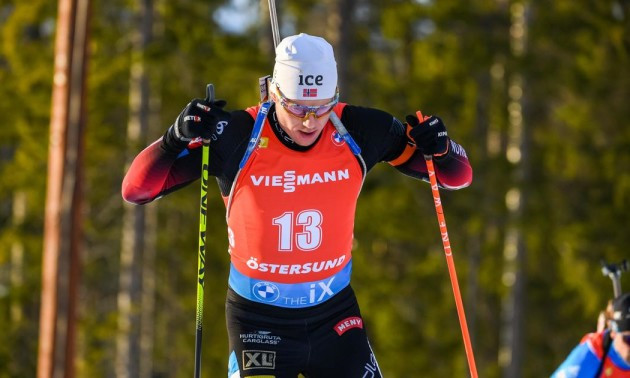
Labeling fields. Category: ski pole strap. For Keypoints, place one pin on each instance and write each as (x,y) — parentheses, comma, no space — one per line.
(404,156)
(408,152)
(253,140)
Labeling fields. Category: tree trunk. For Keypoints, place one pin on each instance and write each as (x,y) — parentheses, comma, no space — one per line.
(133,243)
(147,320)
(339,33)
(62,228)
(481,188)
(515,252)
(148,294)
(16,276)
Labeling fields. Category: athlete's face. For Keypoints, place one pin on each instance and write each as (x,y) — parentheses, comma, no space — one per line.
(304,131)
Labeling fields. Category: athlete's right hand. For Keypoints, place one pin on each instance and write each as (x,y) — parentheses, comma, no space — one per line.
(200,119)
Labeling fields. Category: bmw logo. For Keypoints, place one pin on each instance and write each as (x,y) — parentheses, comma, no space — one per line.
(266,291)
(337,139)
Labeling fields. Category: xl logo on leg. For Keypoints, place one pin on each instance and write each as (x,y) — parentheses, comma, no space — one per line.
(259,359)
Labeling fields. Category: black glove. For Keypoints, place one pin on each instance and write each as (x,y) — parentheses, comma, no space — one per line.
(429,135)
(199,119)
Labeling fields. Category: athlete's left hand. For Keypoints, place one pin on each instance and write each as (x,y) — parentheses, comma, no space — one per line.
(429,135)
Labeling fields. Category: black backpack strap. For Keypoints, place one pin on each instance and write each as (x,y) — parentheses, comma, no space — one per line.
(606,344)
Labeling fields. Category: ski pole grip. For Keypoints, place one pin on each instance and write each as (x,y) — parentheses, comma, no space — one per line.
(422,118)
(209,100)
(210,93)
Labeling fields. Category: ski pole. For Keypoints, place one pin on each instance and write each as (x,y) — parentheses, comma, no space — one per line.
(449,260)
(273,17)
(201,260)
(264,82)
(613,271)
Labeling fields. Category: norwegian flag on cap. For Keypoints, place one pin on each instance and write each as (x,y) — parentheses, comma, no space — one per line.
(309,92)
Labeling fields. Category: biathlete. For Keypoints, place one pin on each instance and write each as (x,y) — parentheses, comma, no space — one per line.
(290,206)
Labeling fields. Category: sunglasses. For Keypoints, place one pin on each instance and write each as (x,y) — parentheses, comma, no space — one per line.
(304,111)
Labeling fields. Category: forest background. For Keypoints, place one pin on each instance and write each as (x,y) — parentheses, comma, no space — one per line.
(536,91)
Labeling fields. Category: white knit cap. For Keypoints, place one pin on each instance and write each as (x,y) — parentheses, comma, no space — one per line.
(305,68)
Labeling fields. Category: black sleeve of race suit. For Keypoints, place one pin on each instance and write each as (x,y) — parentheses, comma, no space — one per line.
(168,164)
(379,134)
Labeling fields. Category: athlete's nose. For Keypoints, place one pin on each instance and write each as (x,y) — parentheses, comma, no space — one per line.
(310,121)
